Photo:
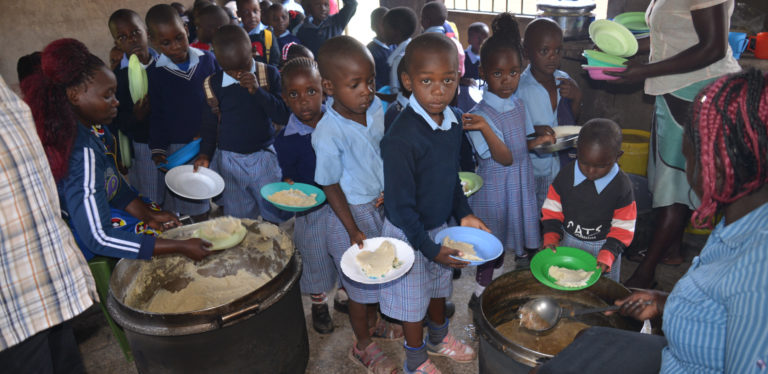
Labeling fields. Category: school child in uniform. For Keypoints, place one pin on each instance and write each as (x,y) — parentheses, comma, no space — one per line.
(379,49)
(542,86)
(422,192)
(208,20)
(176,90)
(591,203)
(293,50)
(319,26)
(263,41)
(397,106)
(507,201)
(303,93)
(399,25)
(349,167)
(433,17)
(243,101)
(278,19)
(476,35)
(130,35)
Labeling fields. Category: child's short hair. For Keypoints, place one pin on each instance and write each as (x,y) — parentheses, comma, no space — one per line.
(433,42)
(377,16)
(213,10)
(229,36)
(506,35)
(538,27)
(401,20)
(162,14)
(602,132)
(433,14)
(298,64)
(337,51)
(477,27)
(125,15)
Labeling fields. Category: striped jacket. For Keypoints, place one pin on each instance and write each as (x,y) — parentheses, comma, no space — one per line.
(591,210)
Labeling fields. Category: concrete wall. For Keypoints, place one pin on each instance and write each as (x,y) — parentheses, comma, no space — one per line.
(29,25)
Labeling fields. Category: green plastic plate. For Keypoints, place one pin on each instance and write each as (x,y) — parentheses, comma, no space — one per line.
(566,257)
(597,58)
(634,21)
(613,38)
(473,181)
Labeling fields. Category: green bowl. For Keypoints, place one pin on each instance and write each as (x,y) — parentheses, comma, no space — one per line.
(634,21)
(597,58)
(566,257)
(473,181)
(308,189)
(613,38)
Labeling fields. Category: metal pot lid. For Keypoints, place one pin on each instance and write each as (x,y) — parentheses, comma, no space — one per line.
(569,7)
(186,287)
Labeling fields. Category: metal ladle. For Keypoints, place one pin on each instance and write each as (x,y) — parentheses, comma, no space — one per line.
(550,312)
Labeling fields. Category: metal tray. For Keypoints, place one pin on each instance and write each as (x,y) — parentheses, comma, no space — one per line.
(562,143)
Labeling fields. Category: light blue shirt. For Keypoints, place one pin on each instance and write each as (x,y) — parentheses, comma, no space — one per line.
(600,183)
(258,29)
(349,154)
(448,117)
(539,109)
(194,59)
(716,318)
(295,126)
(394,60)
(228,80)
(402,100)
(439,29)
(153,55)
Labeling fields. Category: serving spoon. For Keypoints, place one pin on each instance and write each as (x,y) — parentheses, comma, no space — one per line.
(549,313)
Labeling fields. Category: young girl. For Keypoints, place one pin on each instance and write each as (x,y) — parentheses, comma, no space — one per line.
(303,93)
(507,201)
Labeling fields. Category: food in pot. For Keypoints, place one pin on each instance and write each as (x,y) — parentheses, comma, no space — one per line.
(551,343)
(531,320)
(467,249)
(293,197)
(568,277)
(222,233)
(376,264)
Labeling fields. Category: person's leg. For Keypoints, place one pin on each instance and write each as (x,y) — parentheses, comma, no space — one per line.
(30,356)
(65,354)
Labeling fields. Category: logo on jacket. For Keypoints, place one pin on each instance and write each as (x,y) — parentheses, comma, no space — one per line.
(111,183)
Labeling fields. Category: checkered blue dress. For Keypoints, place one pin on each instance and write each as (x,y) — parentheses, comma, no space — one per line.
(319,274)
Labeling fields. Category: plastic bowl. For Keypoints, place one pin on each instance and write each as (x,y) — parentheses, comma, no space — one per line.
(598,58)
(308,189)
(487,246)
(598,72)
(566,257)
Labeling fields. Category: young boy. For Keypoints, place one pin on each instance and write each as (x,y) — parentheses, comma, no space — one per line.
(542,86)
(349,167)
(263,42)
(176,91)
(399,25)
(130,35)
(208,20)
(379,49)
(476,35)
(591,204)
(422,192)
(239,129)
(278,19)
(319,27)
(433,17)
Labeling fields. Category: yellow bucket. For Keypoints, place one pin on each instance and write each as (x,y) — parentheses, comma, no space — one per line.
(635,147)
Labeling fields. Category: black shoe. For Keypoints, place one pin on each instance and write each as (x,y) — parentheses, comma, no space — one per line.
(321,319)
(450,309)
(474,304)
(456,273)
(341,306)
(524,260)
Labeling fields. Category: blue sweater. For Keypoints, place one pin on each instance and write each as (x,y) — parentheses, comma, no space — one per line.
(288,38)
(380,55)
(246,119)
(296,156)
(93,186)
(421,181)
(125,121)
(257,40)
(313,36)
(176,100)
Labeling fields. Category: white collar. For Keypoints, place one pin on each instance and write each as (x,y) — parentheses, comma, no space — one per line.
(228,80)
(258,29)
(398,52)
(295,126)
(152,57)
(194,58)
(439,29)
(448,117)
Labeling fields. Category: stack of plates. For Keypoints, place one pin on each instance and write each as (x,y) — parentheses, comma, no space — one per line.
(634,21)
(616,41)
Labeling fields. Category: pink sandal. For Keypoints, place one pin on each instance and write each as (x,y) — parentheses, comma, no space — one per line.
(372,359)
(386,330)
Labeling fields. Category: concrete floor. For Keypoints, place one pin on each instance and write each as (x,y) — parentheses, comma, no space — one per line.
(328,353)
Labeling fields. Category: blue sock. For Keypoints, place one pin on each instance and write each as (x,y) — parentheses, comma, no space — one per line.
(436,332)
(414,357)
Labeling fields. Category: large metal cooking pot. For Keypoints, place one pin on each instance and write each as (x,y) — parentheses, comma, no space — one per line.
(504,296)
(574,17)
(261,332)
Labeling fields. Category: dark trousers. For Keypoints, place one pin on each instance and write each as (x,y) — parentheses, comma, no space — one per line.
(50,351)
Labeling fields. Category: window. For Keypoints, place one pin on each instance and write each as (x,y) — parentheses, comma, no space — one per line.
(513,6)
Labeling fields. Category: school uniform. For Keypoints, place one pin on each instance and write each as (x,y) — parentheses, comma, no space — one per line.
(422,192)
(348,154)
(313,36)
(393,61)
(471,64)
(596,216)
(266,55)
(286,38)
(174,119)
(380,53)
(394,109)
(240,147)
(142,174)
(459,49)
(297,162)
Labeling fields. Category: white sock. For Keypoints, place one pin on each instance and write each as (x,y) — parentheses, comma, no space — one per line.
(479,290)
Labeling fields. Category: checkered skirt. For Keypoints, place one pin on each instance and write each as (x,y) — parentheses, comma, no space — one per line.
(309,234)
(144,176)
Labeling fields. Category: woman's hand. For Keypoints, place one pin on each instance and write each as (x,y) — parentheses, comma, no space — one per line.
(196,249)
(636,72)
(444,257)
(642,304)
(162,220)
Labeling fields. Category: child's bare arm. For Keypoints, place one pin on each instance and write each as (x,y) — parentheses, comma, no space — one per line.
(543,134)
(499,151)
(570,90)
(340,206)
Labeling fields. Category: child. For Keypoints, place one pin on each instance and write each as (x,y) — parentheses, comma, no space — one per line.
(130,35)
(237,125)
(293,50)
(208,20)
(433,17)
(591,204)
(319,27)
(176,91)
(278,19)
(451,30)
(422,192)
(303,93)
(115,55)
(397,106)
(379,49)
(507,201)
(399,25)
(349,167)
(542,86)
(264,43)
(476,35)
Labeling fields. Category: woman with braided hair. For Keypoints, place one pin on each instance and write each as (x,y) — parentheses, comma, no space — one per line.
(71,96)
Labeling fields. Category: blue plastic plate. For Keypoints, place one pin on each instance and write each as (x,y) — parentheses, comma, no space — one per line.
(308,189)
(183,155)
(487,246)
